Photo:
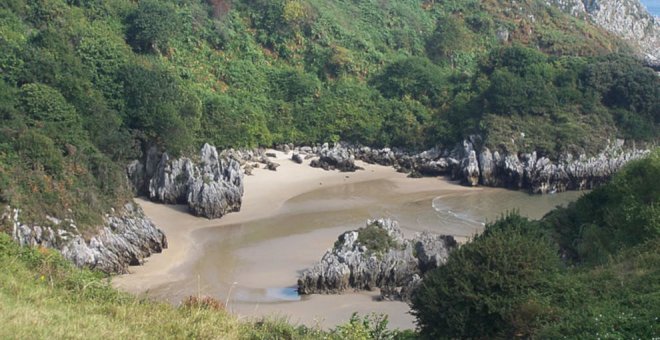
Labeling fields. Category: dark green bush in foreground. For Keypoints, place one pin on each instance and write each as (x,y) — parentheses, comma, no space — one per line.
(510,281)
(491,286)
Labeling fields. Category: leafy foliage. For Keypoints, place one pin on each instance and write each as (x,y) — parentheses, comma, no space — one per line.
(509,281)
(487,288)
(105,80)
(375,239)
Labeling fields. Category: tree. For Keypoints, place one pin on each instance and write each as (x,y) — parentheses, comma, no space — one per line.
(158,109)
(416,78)
(152,26)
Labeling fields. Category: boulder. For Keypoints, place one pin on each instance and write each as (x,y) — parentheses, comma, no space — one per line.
(211,187)
(296,157)
(337,158)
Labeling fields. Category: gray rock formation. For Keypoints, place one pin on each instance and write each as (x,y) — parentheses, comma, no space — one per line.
(296,157)
(473,164)
(338,158)
(351,265)
(126,238)
(627,19)
(211,186)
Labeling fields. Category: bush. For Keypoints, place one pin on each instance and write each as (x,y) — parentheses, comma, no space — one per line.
(490,287)
(622,214)
(47,109)
(375,239)
(152,26)
(39,152)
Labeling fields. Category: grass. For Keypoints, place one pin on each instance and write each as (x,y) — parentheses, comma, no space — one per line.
(44,296)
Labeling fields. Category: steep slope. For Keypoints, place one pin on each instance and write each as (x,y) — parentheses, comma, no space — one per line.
(87,87)
(628,19)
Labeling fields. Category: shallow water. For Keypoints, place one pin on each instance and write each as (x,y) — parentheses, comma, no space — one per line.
(254,266)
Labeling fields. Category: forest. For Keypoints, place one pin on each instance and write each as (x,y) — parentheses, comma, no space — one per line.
(86,86)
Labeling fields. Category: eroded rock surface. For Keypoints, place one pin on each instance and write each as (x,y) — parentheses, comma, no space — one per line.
(126,238)
(352,265)
(473,164)
(211,186)
(628,19)
(338,158)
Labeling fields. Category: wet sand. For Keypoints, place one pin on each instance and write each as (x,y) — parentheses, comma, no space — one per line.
(251,259)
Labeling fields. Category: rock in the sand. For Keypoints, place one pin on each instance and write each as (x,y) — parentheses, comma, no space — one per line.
(297,158)
(272,166)
(247,169)
(212,187)
(350,264)
(271,154)
(336,158)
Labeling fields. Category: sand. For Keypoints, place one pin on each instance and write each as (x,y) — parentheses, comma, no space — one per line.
(251,259)
(265,193)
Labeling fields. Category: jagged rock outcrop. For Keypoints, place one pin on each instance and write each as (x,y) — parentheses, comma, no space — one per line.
(542,175)
(338,158)
(126,238)
(627,19)
(396,271)
(211,186)
(471,163)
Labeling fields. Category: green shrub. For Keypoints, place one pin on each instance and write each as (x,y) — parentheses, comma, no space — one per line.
(622,214)
(490,287)
(375,239)
(152,26)
(39,152)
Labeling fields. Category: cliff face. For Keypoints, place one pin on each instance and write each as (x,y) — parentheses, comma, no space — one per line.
(211,186)
(126,238)
(627,19)
(473,164)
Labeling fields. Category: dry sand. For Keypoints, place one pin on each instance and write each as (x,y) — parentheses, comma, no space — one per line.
(265,193)
(251,259)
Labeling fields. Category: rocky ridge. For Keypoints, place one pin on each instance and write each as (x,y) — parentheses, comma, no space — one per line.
(396,271)
(211,185)
(474,164)
(627,19)
(126,238)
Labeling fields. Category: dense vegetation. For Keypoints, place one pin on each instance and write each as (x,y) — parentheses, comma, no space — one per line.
(590,270)
(87,85)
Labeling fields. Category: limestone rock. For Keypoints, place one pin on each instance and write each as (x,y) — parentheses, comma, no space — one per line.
(126,238)
(211,187)
(335,158)
(627,19)
(351,265)
(297,158)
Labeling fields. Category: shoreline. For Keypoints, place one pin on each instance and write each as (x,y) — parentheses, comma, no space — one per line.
(250,260)
(265,194)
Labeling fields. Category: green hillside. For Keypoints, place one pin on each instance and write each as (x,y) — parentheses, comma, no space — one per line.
(88,85)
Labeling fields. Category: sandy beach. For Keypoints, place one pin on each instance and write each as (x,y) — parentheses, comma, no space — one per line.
(289,218)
